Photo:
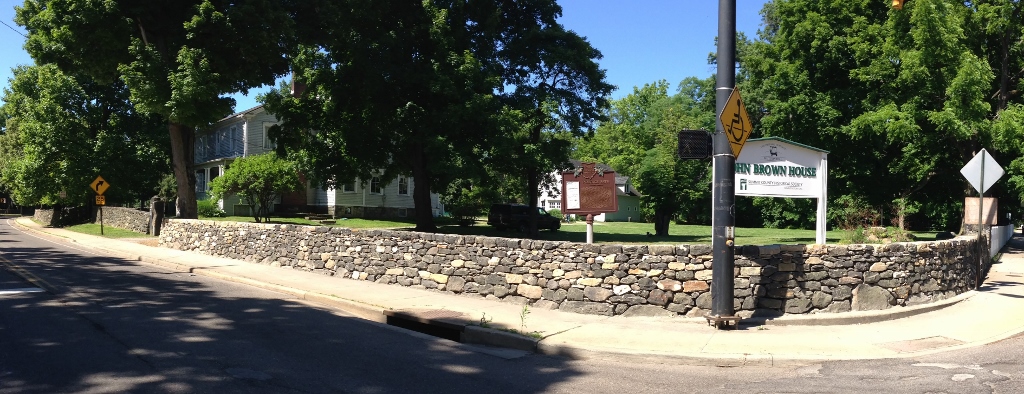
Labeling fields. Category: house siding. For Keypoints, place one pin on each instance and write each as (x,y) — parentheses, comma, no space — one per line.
(220,145)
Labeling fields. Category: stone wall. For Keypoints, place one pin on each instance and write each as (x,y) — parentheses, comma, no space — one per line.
(602,279)
(61,216)
(133,219)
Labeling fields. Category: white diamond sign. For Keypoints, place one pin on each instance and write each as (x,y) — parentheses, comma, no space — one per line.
(982,171)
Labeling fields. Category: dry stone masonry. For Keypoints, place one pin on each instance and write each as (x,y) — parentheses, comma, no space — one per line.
(602,279)
(133,219)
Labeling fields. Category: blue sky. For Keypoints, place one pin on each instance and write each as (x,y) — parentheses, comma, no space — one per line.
(642,41)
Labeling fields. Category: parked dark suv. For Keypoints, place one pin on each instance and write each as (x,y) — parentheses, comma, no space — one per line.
(516,216)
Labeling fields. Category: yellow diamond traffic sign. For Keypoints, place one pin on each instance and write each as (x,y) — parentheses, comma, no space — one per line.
(735,122)
(99,185)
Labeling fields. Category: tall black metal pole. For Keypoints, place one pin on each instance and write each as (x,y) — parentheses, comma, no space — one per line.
(723,193)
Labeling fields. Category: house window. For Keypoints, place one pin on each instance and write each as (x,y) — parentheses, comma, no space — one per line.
(200,148)
(211,146)
(201,184)
(375,185)
(554,204)
(214,173)
(223,143)
(403,212)
(267,142)
(348,187)
(403,186)
(237,148)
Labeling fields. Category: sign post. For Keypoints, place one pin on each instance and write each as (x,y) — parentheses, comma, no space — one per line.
(730,133)
(974,171)
(589,190)
(99,185)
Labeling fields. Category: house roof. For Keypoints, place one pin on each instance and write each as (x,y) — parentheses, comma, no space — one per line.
(246,112)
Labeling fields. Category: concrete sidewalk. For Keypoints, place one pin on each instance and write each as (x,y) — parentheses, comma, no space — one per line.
(994,312)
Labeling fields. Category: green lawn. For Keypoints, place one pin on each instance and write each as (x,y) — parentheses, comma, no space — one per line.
(615,232)
(637,233)
(108,231)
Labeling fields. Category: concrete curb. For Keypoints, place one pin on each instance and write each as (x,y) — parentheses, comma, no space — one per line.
(473,334)
(711,360)
(491,337)
(860,317)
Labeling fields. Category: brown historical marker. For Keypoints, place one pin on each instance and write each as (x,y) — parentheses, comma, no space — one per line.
(589,190)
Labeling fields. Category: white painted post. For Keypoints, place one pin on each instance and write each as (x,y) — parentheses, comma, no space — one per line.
(590,228)
(819,236)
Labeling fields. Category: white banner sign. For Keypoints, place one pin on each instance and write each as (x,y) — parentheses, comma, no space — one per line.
(772,167)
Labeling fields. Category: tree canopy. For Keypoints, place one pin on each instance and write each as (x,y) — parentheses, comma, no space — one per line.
(63,130)
(437,89)
(902,99)
(639,140)
(178,60)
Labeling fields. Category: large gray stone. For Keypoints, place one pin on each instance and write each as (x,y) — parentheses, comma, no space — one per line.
(798,305)
(704,301)
(838,307)
(574,294)
(658,297)
(456,284)
(597,293)
(647,311)
(588,308)
(545,304)
(661,250)
(871,298)
(528,291)
(821,300)
(841,292)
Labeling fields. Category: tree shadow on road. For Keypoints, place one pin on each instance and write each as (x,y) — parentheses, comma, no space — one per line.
(120,326)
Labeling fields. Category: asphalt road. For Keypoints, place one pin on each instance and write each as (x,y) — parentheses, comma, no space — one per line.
(111,325)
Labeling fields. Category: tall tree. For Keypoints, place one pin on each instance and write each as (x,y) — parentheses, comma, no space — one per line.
(61,131)
(178,59)
(639,140)
(418,88)
(559,93)
(901,98)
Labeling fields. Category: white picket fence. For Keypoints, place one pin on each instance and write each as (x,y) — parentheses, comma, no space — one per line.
(1000,236)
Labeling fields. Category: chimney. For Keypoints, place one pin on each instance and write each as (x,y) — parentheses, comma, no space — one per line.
(297,87)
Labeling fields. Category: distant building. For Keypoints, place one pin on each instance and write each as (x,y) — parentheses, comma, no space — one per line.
(245,134)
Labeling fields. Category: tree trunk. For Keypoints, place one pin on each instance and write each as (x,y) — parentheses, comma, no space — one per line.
(662,218)
(421,193)
(532,184)
(182,145)
(1004,74)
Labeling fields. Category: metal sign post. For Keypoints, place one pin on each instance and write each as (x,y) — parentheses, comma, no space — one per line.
(99,185)
(722,190)
(974,171)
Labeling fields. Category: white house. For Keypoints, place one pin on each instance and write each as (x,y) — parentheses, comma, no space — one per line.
(629,198)
(245,134)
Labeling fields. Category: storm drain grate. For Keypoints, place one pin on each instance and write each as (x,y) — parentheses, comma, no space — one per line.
(440,323)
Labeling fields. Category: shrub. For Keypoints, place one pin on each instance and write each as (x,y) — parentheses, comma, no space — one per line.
(555,212)
(208,208)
